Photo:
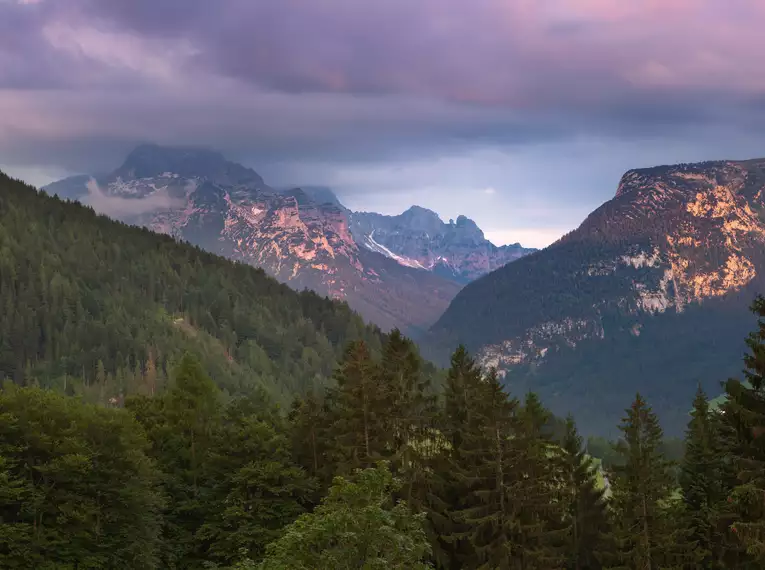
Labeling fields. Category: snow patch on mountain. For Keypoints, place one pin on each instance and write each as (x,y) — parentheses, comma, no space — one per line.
(370,243)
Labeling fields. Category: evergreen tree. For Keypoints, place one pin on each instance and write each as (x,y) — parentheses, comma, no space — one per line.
(254,488)
(488,471)
(411,409)
(705,486)
(181,426)
(642,490)
(450,491)
(309,419)
(541,500)
(360,431)
(745,415)
(586,509)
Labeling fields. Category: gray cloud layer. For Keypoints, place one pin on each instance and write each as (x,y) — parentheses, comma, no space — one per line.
(381,99)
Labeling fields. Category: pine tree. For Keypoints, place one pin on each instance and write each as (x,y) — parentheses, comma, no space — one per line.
(642,489)
(309,419)
(449,494)
(542,518)
(745,416)
(151,374)
(586,508)
(705,486)
(488,512)
(360,431)
(181,426)
(411,413)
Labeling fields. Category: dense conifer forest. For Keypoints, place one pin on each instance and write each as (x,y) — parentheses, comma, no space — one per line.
(165,409)
(100,309)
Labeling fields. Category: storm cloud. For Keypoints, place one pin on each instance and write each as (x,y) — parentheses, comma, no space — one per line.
(544,101)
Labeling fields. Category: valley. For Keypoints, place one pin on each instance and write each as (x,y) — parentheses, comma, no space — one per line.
(651,291)
(409,285)
(211,378)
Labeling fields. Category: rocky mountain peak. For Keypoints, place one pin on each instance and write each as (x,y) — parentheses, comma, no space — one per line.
(149,161)
(667,265)
(639,177)
(468,229)
(421,219)
(419,238)
(300,236)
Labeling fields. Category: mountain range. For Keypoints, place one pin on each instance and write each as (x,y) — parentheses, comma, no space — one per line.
(396,271)
(649,294)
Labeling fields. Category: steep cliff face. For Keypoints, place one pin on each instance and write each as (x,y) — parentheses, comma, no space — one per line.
(419,238)
(679,248)
(301,238)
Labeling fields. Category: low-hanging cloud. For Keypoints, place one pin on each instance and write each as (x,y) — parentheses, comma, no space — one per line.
(122,208)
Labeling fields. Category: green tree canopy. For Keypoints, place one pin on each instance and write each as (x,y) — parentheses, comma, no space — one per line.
(356,526)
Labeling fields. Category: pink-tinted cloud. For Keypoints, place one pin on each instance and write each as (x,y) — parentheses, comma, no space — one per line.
(509,52)
(371,77)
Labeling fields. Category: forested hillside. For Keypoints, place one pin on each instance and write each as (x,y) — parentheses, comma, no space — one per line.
(92,306)
(374,472)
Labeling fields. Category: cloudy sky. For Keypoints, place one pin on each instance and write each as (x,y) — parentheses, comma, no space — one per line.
(521,114)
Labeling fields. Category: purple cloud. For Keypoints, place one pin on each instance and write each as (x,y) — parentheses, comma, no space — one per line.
(281,83)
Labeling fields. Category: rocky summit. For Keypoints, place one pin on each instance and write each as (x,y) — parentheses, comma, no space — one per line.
(419,238)
(303,237)
(661,274)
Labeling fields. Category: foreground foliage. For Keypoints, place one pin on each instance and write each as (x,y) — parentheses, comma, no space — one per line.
(356,526)
(375,471)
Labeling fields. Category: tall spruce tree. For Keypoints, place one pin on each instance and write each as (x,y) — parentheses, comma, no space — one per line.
(488,472)
(586,508)
(309,419)
(411,408)
(745,415)
(642,490)
(705,486)
(542,515)
(360,431)
(461,405)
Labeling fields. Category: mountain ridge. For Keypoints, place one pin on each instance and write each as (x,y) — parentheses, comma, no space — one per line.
(303,237)
(457,250)
(678,248)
